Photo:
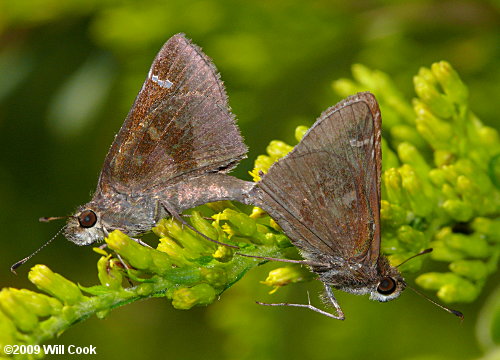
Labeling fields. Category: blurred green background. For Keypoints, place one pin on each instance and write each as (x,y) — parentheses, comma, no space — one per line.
(69,71)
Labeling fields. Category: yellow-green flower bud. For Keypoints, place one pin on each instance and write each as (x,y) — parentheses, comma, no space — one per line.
(282,241)
(190,240)
(392,214)
(140,257)
(471,194)
(427,76)
(55,284)
(263,236)
(283,276)
(474,173)
(223,254)
(461,291)
(472,269)
(277,149)
(40,304)
(220,206)
(449,192)
(144,289)
(411,156)
(203,226)
(161,228)
(257,213)
(451,172)
(437,177)
(450,287)
(241,223)
(393,186)
(488,137)
(450,82)
(186,298)
(8,332)
(178,255)
(443,157)
(458,210)
(413,238)
(488,227)
(274,225)
(109,273)
(435,280)
(442,252)
(69,312)
(24,319)
(215,276)
(472,245)
(418,193)
(437,132)
(300,131)
(425,87)
(261,164)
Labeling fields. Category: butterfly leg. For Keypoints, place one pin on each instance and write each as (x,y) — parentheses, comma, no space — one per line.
(124,264)
(189,216)
(140,242)
(178,217)
(333,300)
(301,262)
(331,297)
(126,267)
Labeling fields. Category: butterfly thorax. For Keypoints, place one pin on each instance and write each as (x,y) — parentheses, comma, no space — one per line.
(381,281)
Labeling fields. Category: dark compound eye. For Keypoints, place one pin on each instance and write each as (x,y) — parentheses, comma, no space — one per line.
(386,286)
(87,218)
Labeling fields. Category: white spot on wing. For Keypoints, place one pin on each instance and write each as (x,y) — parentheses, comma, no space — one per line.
(166,84)
(359,143)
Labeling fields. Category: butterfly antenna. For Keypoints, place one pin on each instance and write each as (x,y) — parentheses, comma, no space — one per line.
(423,252)
(302,262)
(50,218)
(20,262)
(451,311)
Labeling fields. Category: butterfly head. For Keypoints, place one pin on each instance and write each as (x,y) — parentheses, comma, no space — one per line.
(85,227)
(387,288)
(381,282)
(389,283)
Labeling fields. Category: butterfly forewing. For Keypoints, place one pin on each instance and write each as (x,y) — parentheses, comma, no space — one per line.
(329,183)
(180,124)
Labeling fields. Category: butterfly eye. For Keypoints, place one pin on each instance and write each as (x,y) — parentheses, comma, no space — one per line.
(87,218)
(386,286)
